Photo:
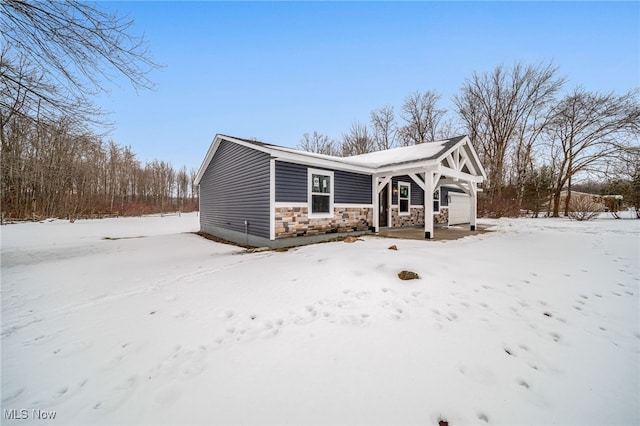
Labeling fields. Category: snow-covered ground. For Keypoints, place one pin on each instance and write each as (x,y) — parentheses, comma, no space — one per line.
(535,323)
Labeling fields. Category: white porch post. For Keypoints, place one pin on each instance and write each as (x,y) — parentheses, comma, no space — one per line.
(376,204)
(389,203)
(473,204)
(428,204)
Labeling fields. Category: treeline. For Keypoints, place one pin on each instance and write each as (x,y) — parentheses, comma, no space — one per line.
(54,59)
(534,137)
(51,168)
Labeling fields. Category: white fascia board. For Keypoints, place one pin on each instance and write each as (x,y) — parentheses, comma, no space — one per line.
(449,152)
(404,169)
(477,166)
(291,157)
(214,147)
(476,161)
(278,154)
(207,158)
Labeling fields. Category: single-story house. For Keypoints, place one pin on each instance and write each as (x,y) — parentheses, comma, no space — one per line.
(260,194)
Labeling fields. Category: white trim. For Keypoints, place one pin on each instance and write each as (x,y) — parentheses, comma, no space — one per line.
(475,164)
(384,181)
(352,206)
(439,199)
(408,185)
(428,202)
(375,199)
(412,206)
(310,173)
(417,180)
(272,199)
(285,204)
(463,147)
(443,170)
(290,157)
(390,203)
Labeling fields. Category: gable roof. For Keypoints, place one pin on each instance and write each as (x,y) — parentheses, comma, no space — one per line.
(426,153)
(406,154)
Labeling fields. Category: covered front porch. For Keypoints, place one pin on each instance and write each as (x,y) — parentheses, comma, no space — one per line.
(452,164)
(442,232)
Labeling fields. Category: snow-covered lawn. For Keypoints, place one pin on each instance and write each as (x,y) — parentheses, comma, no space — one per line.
(535,323)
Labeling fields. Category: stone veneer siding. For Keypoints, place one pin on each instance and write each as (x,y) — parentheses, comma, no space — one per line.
(442,217)
(416,217)
(295,221)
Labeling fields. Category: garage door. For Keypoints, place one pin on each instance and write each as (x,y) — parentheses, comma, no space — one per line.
(458,208)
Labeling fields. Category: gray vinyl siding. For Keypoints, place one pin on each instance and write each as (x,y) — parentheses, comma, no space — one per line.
(417,194)
(349,188)
(235,188)
(352,188)
(291,182)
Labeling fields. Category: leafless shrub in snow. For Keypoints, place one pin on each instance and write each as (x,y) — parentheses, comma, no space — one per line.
(584,208)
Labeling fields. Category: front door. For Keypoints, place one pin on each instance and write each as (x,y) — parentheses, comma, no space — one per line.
(383,210)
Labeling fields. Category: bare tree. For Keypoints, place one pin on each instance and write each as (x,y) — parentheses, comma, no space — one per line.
(182,187)
(357,140)
(70,50)
(587,129)
(319,143)
(384,128)
(501,108)
(422,118)
(193,172)
(447,128)
(624,177)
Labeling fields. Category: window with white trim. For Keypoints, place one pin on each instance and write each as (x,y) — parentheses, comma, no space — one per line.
(320,193)
(404,197)
(436,201)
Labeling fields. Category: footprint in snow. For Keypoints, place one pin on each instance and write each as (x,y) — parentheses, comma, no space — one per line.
(72,348)
(117,396)
(354,320)
(483,417)
(11,396)
(167,396)
(226,314)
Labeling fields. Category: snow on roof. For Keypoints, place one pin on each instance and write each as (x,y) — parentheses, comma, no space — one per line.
(405,154)
(393,156)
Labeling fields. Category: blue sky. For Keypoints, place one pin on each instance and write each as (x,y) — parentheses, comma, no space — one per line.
(275,70)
